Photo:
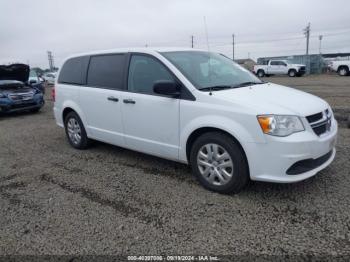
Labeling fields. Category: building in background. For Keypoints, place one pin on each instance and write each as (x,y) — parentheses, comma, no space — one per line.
(246,63)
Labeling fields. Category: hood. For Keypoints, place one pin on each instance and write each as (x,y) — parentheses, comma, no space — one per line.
(19,72)
(274,99)
(297,65)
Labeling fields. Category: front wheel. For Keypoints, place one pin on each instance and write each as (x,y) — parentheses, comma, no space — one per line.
(261,73)
(292,73)
(75,131)
(343,71)
(219,163)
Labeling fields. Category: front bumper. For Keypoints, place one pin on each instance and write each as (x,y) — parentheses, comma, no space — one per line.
(9,106)
(301,71)
(272,161)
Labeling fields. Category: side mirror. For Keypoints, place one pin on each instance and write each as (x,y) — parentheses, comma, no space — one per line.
(167,88)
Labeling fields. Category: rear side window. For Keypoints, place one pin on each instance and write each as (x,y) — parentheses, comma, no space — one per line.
(74,71)
(274,63)
(106,71)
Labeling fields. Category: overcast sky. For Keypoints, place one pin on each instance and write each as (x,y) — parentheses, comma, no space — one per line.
(28,28)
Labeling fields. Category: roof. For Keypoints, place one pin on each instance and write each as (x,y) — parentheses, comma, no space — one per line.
(147,50)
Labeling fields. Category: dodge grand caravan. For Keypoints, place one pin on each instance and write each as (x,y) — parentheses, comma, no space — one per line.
(195,107)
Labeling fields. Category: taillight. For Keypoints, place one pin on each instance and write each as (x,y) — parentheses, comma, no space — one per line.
(53,94)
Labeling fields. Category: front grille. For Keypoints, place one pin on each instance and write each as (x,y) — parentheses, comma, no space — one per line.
(302,69)
(315,117)
(320,122)
(21,96)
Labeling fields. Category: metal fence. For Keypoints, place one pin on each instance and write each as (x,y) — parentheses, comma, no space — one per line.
(315,64)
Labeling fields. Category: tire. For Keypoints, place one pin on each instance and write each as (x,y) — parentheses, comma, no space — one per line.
(343,71)
(75,131)
(292,73)
(211,175)
(261,73)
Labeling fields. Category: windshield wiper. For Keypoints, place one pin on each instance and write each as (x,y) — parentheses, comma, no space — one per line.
(248,84)
(215,88)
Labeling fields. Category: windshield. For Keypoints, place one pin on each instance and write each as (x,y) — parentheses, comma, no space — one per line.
(205,70)
(32,73)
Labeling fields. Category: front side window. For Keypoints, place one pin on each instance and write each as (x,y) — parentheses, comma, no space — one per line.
(206,70)
(274,63)
(106,71)
(144,71)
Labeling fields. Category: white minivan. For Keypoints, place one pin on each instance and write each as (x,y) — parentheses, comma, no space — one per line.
(195,107)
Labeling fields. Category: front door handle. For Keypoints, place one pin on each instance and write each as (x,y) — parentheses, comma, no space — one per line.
(129,101)
(112,98)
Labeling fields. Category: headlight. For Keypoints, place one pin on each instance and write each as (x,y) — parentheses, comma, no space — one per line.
(280,125)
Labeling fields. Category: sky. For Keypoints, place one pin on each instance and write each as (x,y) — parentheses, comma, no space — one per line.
(29,28)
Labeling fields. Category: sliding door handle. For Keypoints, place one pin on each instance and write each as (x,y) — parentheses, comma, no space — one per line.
(129,101)
(112,98)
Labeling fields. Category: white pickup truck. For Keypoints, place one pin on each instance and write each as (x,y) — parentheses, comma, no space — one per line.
(279,67)
(342,67)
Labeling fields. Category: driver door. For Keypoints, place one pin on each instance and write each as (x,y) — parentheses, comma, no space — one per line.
(151,121)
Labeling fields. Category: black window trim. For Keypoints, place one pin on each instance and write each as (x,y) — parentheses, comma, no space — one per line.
(185,93)
(83,80)
(124,87)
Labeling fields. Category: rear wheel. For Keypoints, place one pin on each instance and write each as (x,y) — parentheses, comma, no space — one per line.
(261,73)
(75,131)
(219,163)
(343,71)
(292,73)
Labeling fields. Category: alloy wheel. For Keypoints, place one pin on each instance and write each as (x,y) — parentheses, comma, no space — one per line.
(74,131)
(215,164)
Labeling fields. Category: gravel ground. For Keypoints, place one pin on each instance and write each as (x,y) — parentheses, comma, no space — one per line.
(109,200)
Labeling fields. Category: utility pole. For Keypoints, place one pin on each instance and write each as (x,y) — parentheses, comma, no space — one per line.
(51,61)
(307,34)
(320,37)
(192,43)
(233,47)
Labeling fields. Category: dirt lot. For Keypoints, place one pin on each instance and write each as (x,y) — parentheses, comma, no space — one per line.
(109,200)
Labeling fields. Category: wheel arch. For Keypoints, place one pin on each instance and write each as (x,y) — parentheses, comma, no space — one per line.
(70,106)
(202,130)
(260,70)
(343,66)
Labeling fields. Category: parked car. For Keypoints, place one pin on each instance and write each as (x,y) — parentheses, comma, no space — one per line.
(50,78)
(279,67)
(341,67)
(195,107)
(15,92)
(34,81)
